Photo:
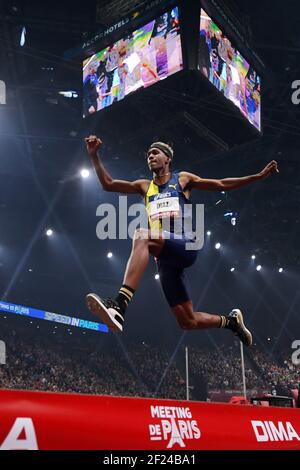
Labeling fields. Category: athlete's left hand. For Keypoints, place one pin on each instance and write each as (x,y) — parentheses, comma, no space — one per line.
(271,167)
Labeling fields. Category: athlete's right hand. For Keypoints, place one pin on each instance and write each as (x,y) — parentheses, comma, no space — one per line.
(93,143)
(271,167)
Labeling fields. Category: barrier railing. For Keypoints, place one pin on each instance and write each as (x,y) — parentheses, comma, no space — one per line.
(40,420)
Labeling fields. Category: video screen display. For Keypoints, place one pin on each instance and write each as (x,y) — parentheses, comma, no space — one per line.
(142,58)
(229,71)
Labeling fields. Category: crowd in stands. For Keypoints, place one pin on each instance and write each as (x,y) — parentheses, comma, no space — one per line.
(280,375)
(71,365)
(222,368)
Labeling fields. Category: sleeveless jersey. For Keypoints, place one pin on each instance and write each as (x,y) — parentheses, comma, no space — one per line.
(169,209)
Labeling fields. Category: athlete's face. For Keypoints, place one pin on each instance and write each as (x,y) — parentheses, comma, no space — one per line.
(157,160)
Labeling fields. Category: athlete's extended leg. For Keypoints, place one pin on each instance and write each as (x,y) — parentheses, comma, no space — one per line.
(144,243)
(111,311)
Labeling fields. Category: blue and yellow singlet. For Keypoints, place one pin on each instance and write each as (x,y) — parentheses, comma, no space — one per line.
(169,209)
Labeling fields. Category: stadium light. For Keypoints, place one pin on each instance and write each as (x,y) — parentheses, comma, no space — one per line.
(23,36)
(84,173)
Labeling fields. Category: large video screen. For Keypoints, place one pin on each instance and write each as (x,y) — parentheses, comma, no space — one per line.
(142,58)
(229,71)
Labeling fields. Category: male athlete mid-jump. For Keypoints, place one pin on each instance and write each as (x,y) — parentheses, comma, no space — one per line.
(168,248)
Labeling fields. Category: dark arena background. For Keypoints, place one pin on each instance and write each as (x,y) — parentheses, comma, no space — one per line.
(217,80)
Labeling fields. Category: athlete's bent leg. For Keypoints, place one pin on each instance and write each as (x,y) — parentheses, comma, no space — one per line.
(190,320)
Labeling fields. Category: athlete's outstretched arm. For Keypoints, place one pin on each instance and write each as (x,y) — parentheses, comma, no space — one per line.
(190,181)
(93,144)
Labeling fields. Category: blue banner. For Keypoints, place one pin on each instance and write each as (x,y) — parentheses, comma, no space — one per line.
(50,316)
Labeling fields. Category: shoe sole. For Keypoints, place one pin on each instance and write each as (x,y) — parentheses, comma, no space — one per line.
(95,305)
(242,324)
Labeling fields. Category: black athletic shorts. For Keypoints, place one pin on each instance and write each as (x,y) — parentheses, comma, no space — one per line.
(172,261)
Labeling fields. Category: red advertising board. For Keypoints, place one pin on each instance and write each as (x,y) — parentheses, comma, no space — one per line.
(50,421)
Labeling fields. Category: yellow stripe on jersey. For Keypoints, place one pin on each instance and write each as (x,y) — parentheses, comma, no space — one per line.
(152,190)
